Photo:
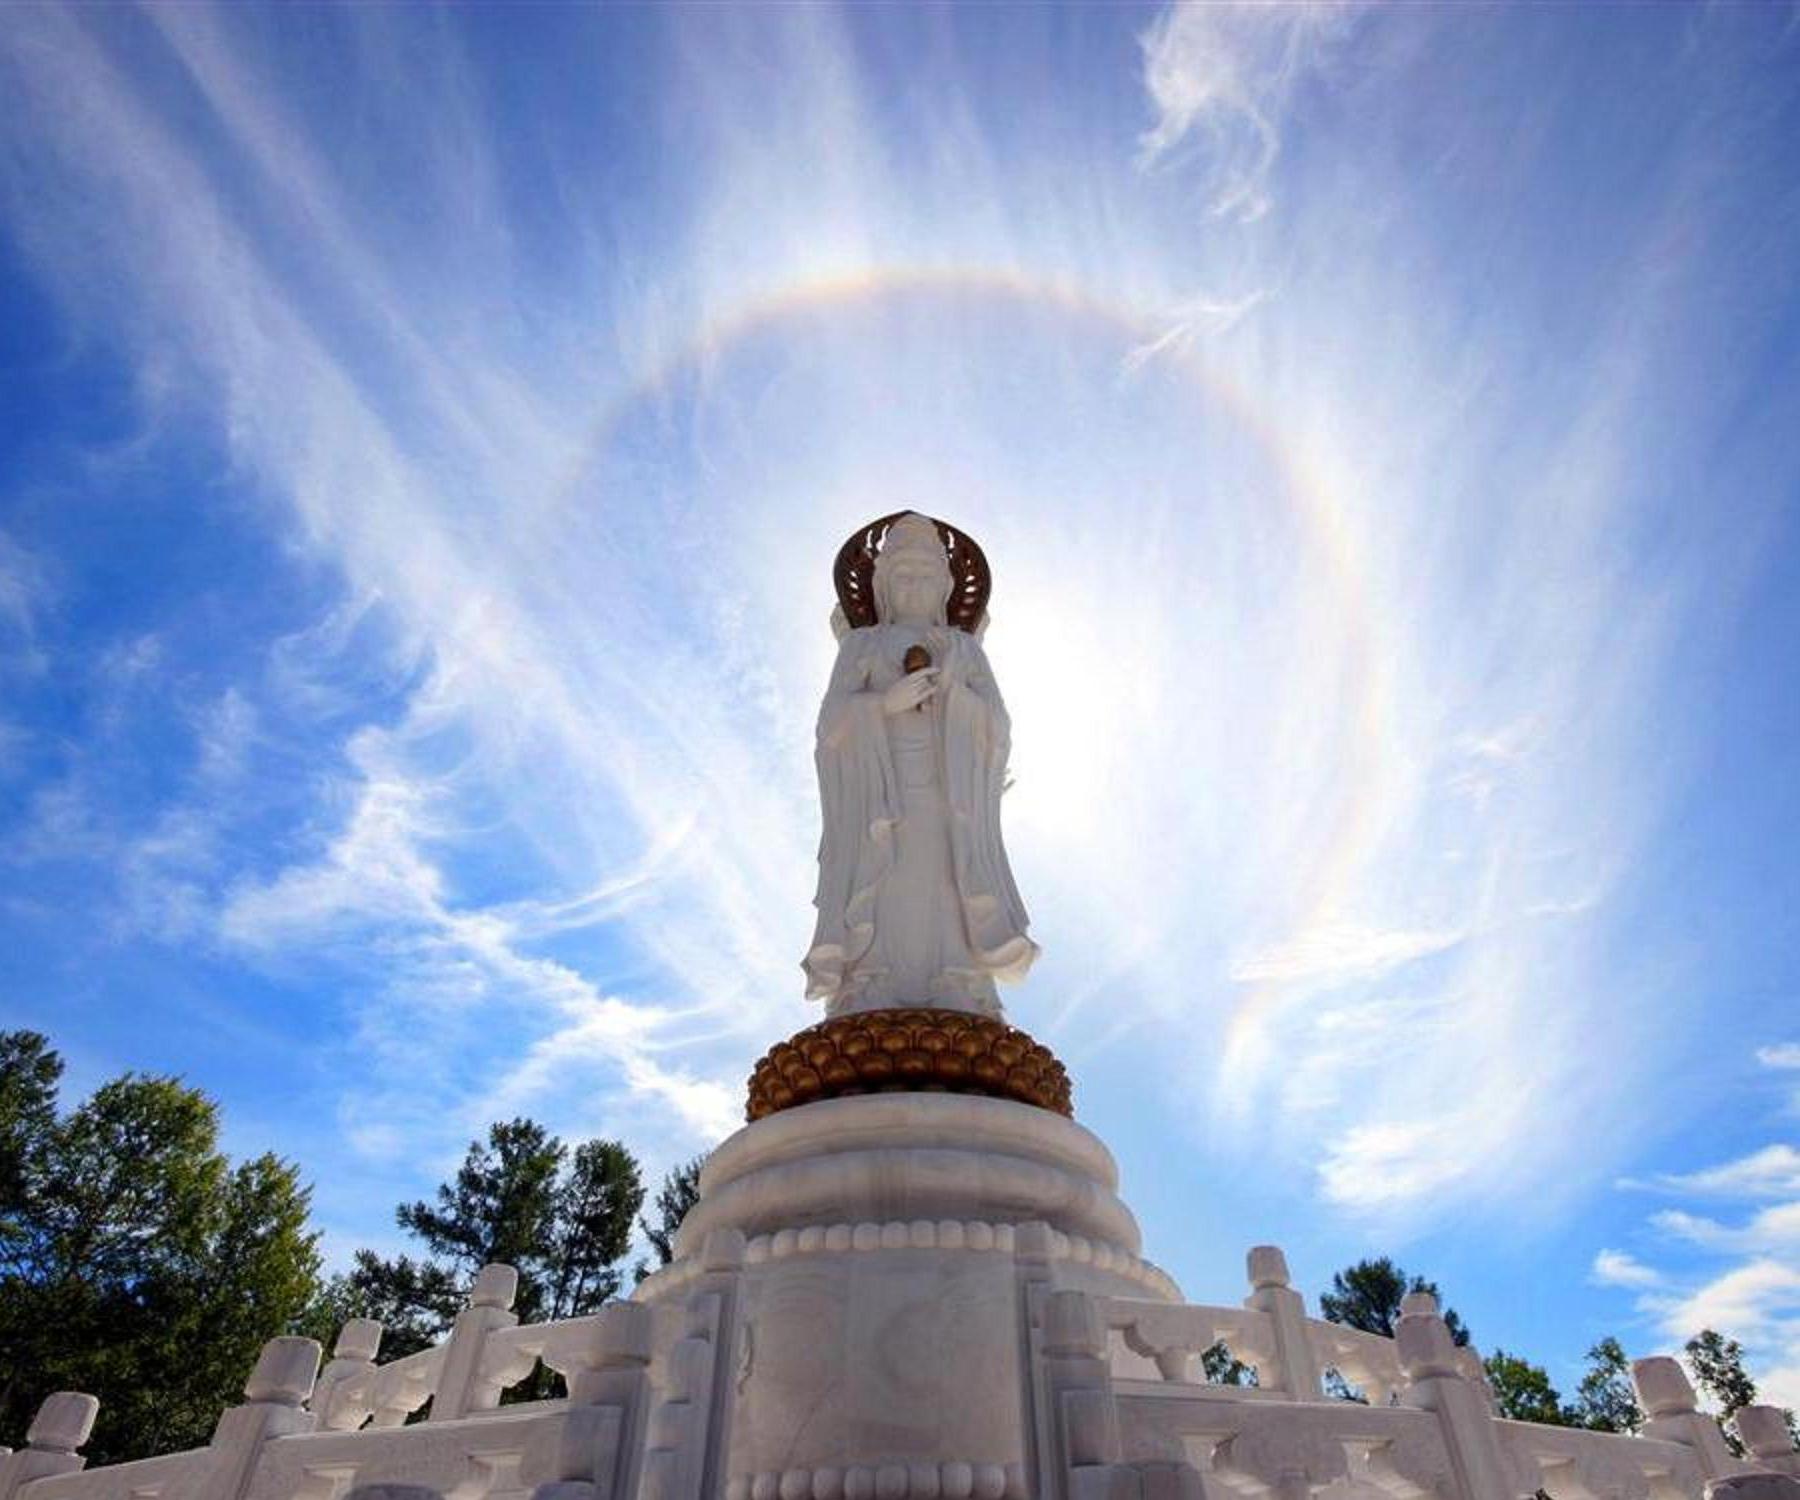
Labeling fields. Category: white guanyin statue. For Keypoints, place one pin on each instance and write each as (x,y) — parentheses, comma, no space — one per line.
(916,901)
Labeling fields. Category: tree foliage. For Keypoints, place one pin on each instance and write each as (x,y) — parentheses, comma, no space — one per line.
(679,1192)
(1605,1400)
(1222,1367)
(561,1217)
(1523,1390)
(1718,1366)
(136,1262)
(1368,1294)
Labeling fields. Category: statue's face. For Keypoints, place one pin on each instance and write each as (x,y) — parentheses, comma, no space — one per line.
(915,589)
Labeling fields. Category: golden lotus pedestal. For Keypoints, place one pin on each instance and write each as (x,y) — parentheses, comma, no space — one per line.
(908,1049)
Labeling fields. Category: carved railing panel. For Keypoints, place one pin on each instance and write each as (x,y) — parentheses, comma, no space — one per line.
(1175,1335)
(1573,1464)
(1367,1360)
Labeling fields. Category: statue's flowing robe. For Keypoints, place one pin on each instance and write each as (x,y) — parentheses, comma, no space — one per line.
(891,898)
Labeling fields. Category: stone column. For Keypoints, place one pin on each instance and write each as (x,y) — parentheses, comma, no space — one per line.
(344,1395)
(1429,1356)
(1668,1402)
(460,1389)
(1764,1432)
(687,1439)
(56,1434)
(588,1452)
(274,1406)
(1080,1381)
(1297,1367)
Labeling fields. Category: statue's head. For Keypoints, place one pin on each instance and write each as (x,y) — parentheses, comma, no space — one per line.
(912,573)
(912,548)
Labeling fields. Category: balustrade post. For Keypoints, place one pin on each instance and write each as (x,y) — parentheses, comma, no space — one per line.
(52,1442)
(1079,1375)
(1428,1354)
(689,1431)
(1034,1270)
(343,1396)
(274,1406)
(1764,1431)
(1673,1415)
(587,1452)
(1297,1370)
(460,1388)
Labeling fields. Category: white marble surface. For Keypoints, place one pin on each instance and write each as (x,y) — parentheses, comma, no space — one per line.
(904,1157)
(916,900)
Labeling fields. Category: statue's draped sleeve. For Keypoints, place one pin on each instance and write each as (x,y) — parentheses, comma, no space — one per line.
(860,803)
(977,741)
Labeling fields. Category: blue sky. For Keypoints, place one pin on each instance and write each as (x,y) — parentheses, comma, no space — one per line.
(424,435)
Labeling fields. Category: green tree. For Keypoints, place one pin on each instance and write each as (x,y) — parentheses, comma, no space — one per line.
(1523,1390)
(1605,1399)
(598,1199)
(1718,1366)
(1222,1367)
(501,1206)
(415,1301)
(29,1074)
(561,1218)
(135,1261)
(679,1192)
(1367,1295)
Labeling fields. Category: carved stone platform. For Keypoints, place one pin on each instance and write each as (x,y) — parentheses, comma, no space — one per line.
(910,1049)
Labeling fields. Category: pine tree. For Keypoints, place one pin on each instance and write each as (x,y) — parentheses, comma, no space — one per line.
(679,1192)
(1368,1294)
(562,1219)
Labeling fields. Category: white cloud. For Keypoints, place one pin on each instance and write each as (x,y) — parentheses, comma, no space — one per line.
(1770,1172)
(26,592)
(1784,1055)
(1222,73)
(1339,950)
(1375,1167)
(1757,1303)
(1192,320)
(1772,1229)
(24,586)
(599,574)
(1750,1290)
(1780,1385)
(1617,1268)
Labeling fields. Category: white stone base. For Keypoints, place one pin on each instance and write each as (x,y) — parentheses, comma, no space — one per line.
(891,1243)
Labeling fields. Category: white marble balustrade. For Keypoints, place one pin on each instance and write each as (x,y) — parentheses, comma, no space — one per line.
(1119,1407)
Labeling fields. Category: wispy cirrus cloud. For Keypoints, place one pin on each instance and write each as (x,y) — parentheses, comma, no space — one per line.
(1337,951)
(25,588)
(1338,716)
(1219,77)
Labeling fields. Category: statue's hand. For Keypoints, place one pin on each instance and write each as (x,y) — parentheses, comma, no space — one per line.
(910,691)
